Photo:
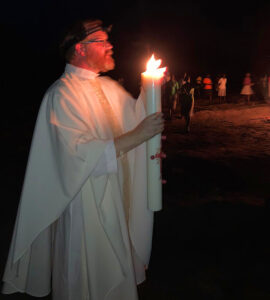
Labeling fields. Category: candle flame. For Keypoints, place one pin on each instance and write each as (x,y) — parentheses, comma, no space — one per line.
(152,68)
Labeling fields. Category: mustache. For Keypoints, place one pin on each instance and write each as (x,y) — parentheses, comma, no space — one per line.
(109,52)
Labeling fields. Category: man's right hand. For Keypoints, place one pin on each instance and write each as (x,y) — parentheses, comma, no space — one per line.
(149,127)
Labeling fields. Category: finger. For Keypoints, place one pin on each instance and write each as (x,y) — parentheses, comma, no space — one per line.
(158,118)
(159,114)
(152,116)
(158,124)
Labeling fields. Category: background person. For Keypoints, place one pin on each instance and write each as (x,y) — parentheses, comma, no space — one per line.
(208,88)
(167,99)
(174,94)
(198,86)
(187,102)
(247,90)
(222,88)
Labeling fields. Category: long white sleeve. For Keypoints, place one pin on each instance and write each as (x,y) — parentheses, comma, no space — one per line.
(107,162)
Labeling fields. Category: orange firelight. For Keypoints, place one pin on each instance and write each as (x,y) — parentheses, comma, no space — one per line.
(152,68)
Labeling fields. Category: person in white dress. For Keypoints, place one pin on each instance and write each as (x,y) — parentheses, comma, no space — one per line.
(83,229)
(222,82)
(247,90)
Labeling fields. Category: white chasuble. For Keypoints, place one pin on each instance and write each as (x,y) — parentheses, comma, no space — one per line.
(92,233)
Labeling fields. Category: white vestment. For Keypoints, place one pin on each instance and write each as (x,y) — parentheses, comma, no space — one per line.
(71,222)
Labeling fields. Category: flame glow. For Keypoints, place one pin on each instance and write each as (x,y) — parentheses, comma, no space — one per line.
(152,69)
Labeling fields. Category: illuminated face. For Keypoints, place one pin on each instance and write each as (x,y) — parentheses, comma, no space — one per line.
(98,52)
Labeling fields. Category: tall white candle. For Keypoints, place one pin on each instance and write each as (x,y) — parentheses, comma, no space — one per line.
(151,80)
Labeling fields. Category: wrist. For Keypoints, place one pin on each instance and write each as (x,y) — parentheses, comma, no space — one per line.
(137,135)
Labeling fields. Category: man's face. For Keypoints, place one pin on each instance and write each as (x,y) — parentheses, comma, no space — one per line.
(99,53)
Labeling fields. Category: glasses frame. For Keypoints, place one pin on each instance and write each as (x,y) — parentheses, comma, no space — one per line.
(104,42)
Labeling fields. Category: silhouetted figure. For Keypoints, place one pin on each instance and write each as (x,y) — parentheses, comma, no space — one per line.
(187,102)
(198,86)
(174,94)
(167,99)
(263,87)
(268,87)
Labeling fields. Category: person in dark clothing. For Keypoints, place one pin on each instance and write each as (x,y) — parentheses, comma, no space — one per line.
(187,101)
(167,97)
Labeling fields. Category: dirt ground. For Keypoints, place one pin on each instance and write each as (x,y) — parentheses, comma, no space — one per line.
(211,239)
(225,157)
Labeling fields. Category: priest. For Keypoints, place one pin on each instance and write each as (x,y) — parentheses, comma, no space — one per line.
(83,229)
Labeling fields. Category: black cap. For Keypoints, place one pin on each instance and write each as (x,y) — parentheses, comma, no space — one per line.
(79,31)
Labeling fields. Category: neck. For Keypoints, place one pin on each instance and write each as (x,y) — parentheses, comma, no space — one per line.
(83,65)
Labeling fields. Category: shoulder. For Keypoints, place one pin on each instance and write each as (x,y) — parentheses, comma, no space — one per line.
(56,89)
(65,85)
(65,92)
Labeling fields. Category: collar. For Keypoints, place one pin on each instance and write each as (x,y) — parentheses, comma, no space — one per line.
(80,72)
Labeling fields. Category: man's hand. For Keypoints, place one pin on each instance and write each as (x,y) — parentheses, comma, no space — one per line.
(149,127)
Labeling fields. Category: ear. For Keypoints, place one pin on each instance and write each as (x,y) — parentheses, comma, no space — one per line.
(80,49)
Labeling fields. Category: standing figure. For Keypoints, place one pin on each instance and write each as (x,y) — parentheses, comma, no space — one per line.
(208,88)
(268,87)
(263,86)
(198,86)
(216,83)
(174,94)
(222,88)
(83,228)
(183,80)
(167,99)
(187,102)
(247,90)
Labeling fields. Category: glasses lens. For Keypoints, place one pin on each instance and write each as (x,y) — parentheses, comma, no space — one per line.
(103,43)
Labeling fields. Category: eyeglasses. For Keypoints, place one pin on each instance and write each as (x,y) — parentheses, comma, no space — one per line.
(104,43)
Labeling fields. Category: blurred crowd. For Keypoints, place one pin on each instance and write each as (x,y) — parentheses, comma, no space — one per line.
(209,89)
(180,94)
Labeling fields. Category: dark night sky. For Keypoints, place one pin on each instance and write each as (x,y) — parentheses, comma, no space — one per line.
(194,36)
